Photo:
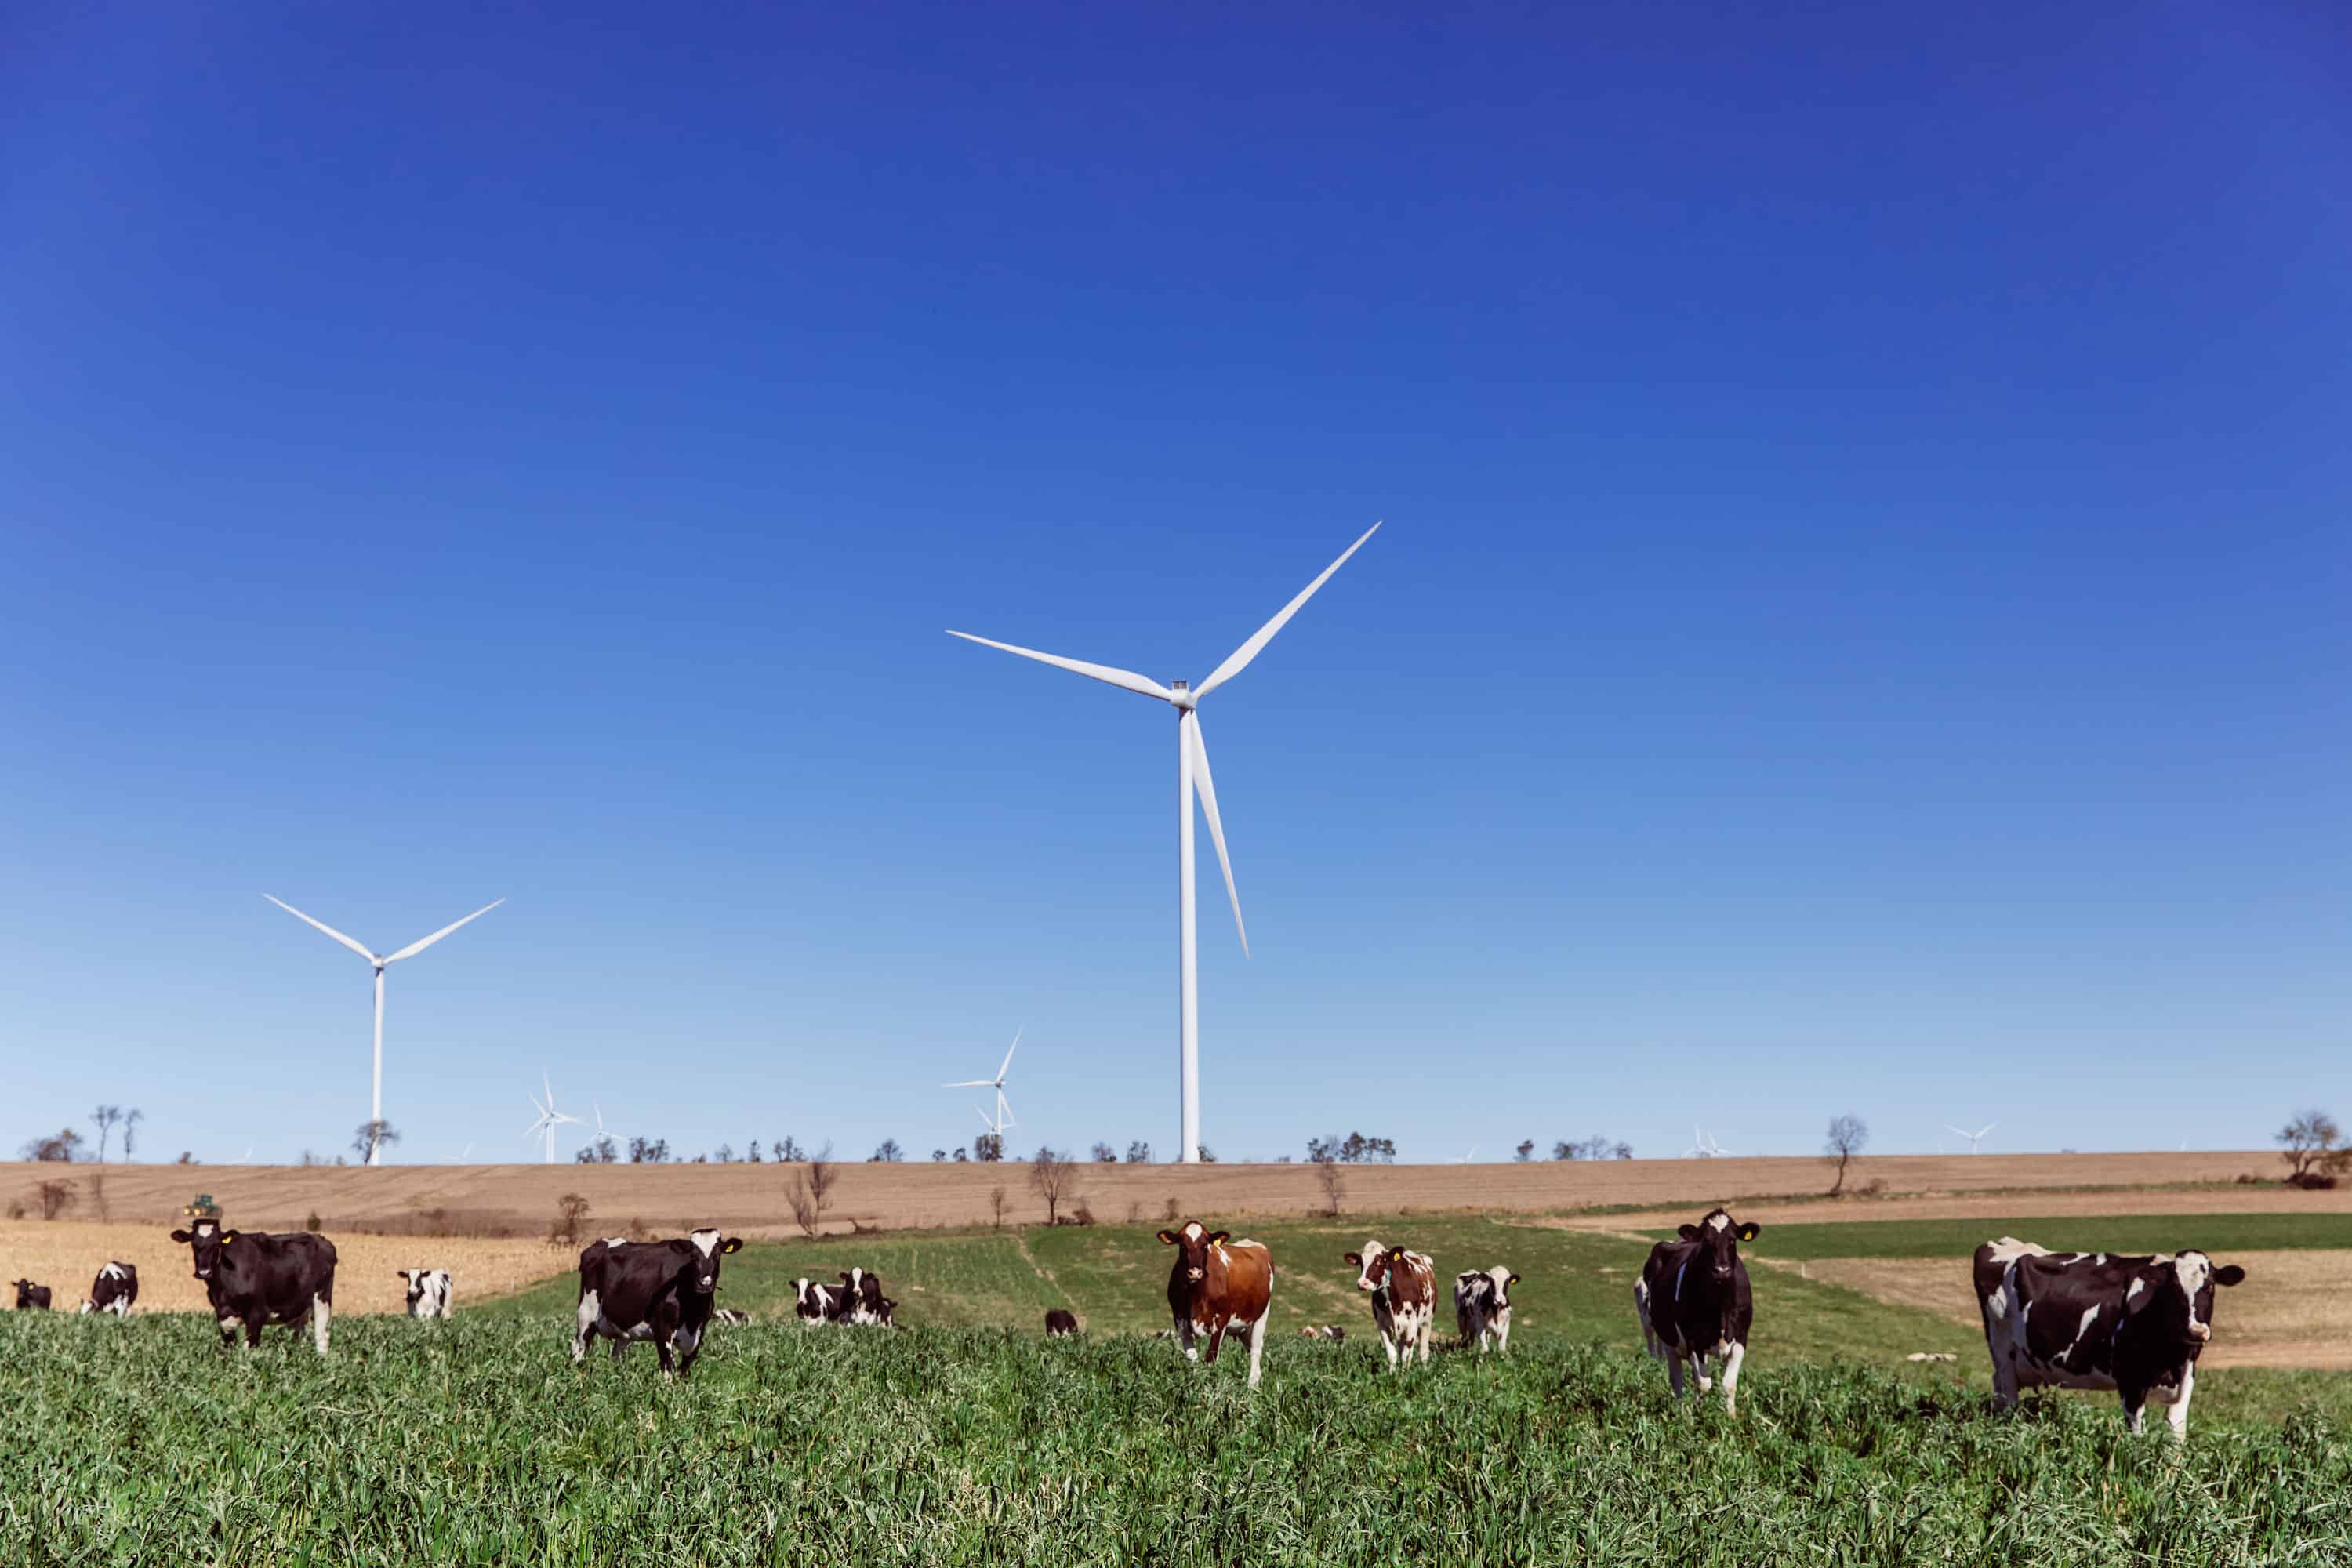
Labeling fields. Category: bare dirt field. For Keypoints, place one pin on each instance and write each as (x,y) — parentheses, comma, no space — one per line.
(1998,1203)
(519,1200)
(2294,1309)
(65,1255)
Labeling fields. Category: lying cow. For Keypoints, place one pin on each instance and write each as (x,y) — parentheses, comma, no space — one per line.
(1404,1299)
(429,1292)
(1322,1331)
(815,1305)
(31,1298)
(861,1301)
(114,1289)
(254,1279)
(1219,1285)
(659,1290)
(1481,1308)
(1058,1321)
(1694,1302)
(2072,1319)
(730,1317)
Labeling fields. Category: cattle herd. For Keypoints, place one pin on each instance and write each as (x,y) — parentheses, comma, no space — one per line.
(2132,1324)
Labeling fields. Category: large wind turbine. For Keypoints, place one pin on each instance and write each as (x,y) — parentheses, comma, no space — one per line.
(1974,1138)
(550,1119)
(1003,1108)
(1192,773)
(375,1094)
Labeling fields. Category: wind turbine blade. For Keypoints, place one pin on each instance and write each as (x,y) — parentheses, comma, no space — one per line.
(1139,684)
(323,926)
(1240,657)
(1008,1056)
(1207,787)
(984,1121)
(971,1083)
(1004,1109)
(416,947)
(1989,1127)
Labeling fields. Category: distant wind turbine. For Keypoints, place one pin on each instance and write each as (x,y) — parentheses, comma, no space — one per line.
(375,1094)
(1465,1159)
(550,1119)
(1004,1108)
(1974,1138)
(1703,1147)
(1191,773)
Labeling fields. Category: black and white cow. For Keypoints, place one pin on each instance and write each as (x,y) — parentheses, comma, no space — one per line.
(815,1305)
(430,1294)
(1481,1308)
(31,1298)
(659,1290)
(114,1289)
(860,1299)
(2076,1319)
(1061,1322)
(254,1279)
(730,1317)
(1694,1304)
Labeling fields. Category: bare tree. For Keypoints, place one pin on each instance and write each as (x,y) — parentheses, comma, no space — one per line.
(1334,1185)
(55,1197)
(1104,1154)
(1139,1153)
(2313,1146)
(105,1116)
(996,1205)
(604,1151)
(570,1210)
(1847,1134)
(809,1190)
(131,1121)
(888,1152)
(61,1148)
(1053,1175)
(371,1136)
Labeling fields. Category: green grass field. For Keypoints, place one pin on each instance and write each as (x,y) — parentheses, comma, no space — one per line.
(2220,1235)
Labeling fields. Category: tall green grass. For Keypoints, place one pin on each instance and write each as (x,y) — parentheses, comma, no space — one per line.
(2219,1234)
(476,1442)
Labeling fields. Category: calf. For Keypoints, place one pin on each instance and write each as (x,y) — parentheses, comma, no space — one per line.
(429,1292)
(813,1304)
(862,1302)
(1481,1308)
(1693,1303)
(1058,1321)
(31,1298)
(114,1289)
(657,1290)
(2073,1319)
(1219,1284)
(254,1279)
(730,1317)
(1323,1331)
(1404,1299)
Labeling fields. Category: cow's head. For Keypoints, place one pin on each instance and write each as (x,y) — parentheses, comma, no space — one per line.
(1718,1238)
(1371,1265)
(24,1288)
(1504,1279)
(702,1265)
(1193,1241)
(419,1281)
(208,1240)
(2173,1298)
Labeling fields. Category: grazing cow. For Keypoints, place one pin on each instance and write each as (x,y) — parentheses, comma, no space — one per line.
(1058,1321)
(815,1305)
(429,1292)
(2075,1320)
(254,1279)
(114,1289)
(657,1290)
(1219,1284)
(1694,1304)
(1481,1308)
(31,1298)
(1404,1297)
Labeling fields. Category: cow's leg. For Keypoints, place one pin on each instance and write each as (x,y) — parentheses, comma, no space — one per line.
(1731,1377)
(1503,1337)
(1674,1370)
(1699,1367)
(662,1349)
(2135,1411)
(1257,1349)
(229,1329)
(620,1349)
(1184,1337)
(2004,1381)
(253,1333)
(321,1311)
(1388,1344)
(690,1345)
(1216,1337)
(584,1327)
(2176,1415)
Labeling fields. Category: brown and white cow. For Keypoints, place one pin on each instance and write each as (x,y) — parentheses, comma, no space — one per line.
(1404,1297)
(1218,1285)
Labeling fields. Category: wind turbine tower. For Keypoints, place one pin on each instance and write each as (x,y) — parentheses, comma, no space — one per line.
(1003,1117)
(1974,1138)
(550,1119)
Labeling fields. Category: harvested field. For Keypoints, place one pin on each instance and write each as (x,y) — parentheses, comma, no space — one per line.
(65,1256)
(1985,1203)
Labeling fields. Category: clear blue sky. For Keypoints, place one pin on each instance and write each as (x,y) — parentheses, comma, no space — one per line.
(1861,624)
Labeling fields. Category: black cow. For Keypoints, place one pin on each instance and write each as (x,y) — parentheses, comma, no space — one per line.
(31,1298)
(2075,1320)
(1693,1303)
(114,1289)
(657,1290)
(254,1279)
(1058,1321)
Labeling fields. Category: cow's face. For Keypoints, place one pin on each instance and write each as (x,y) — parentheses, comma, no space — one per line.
(207,1240)
(702,1266)
(1193,1242)
(1719,1240)
(24,1293)
(2174,1297)
(1371,1265)
(1503,1283)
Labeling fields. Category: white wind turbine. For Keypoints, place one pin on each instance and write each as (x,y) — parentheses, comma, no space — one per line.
(375,1095)
(1703,1147)
(1465,1159)
(1974,1138)
(550,1119)
(1004,1108)
(1191,773)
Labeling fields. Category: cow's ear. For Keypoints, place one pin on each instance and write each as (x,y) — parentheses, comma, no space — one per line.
(1219,1237)
(1355,1257)
(1511,1281)
(229,1236)
(1687,1232)
(181,1236)
(732,1244)
(1168,1237)
(1750,1231)
(2228,1274)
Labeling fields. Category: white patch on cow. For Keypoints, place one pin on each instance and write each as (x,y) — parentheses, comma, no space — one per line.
(321,1312)
(1718,1221)
(111,1271)
(704,1241)
(2176,1413)
(616,1241)
(1733,1354)
(2137,1287)
(1193,1229)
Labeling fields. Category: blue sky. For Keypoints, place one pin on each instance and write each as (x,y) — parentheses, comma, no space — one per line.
(1859,627)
